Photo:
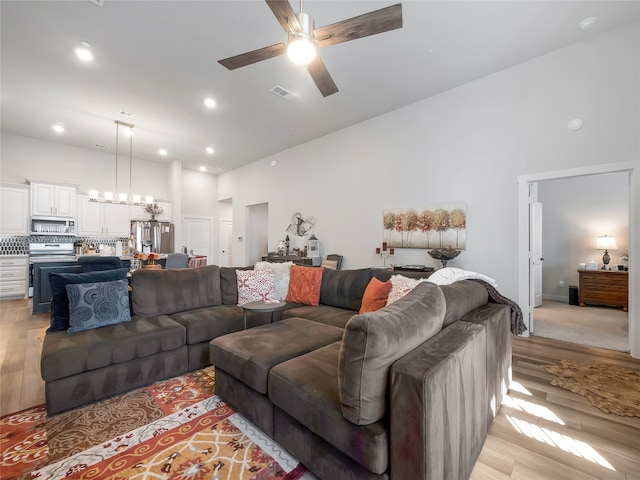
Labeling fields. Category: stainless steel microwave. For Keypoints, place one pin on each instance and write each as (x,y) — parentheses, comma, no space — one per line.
(62,226)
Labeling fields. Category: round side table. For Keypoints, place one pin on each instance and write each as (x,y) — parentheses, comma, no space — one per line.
(262,306)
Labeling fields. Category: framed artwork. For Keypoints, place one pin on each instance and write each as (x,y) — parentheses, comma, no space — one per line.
(439,226)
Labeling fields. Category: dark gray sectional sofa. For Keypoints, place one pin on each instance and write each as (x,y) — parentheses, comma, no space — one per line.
(176,313)
(408,391)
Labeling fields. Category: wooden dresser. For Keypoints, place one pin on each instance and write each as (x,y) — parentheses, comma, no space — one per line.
(604,287)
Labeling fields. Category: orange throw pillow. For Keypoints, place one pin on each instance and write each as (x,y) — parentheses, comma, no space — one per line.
(304,285)
(375,295)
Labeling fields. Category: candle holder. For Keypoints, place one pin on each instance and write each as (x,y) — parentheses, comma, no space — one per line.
(384,253)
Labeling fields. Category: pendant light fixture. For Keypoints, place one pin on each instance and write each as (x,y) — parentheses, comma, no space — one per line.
(122,197)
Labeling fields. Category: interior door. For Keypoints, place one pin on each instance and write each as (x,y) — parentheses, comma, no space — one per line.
(226,243)
(198,236)
(536,253)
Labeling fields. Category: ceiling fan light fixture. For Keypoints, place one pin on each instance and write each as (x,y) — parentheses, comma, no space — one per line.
(301,48)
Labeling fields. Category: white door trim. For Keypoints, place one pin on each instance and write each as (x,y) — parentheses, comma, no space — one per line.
(524,181)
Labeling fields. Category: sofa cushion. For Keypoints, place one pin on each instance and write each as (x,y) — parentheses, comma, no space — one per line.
(64,355)
(254,285)
(281,275)
(163,292)
(250,354)
(304,285)
(334,316)
(375,295)
(203,324)
(461,298)
(229,284)
(344,288)
(373,341)
(93,305)
(60,300)
(305,387)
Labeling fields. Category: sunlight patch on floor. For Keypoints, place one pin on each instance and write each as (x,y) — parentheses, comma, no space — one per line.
(532,408)
(518,387)
(564,442)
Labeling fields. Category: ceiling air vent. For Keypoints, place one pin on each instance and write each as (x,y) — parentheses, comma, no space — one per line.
(283,92)
(97,2)
(129,114)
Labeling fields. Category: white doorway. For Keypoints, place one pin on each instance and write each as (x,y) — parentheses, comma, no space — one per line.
(257,232)
(536,253)
(197,234)
(226,243)
(525,252)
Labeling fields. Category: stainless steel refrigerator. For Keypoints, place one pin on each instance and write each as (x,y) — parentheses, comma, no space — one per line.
(153,236)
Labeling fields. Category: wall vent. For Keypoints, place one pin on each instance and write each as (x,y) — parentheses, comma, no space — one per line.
(97,2)
(283,92)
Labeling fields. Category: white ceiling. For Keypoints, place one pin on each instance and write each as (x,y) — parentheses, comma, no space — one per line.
(158,60)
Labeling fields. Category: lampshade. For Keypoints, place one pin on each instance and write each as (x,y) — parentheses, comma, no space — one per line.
(606,243)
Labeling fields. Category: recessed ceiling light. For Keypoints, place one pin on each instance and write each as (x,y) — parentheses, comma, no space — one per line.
(209,102)
(210,150)
(575,124)
(163,152)
(58,127)
(431,51)
(203,168)
(587,23)
(84,53)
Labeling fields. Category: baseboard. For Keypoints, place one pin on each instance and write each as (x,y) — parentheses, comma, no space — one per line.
(556,298)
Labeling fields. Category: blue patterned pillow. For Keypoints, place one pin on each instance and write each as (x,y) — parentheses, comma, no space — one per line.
(60,300)
(93,305)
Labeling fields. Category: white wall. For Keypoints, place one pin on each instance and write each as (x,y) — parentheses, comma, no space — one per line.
(199,194)
(467,144)
(576,211)
(24,157)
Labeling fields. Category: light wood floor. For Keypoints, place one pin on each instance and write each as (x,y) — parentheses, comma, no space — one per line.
(542,432)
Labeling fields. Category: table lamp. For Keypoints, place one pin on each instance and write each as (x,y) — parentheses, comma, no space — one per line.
(606,243)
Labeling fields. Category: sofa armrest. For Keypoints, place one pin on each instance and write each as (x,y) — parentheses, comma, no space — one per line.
(439,405)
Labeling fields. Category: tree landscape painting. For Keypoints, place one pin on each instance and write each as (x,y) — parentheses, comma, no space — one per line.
(441,226)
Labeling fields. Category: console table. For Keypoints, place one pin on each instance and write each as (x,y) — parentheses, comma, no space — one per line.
(604,287)
(288,258)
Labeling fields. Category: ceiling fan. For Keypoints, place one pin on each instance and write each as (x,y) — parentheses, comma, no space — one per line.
(304,38)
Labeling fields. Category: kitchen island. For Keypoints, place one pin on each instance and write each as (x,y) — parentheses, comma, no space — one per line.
(41,287)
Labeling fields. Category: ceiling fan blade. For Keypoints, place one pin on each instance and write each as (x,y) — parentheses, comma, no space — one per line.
(254,56)
(321,77)
(372,23)
(285,15)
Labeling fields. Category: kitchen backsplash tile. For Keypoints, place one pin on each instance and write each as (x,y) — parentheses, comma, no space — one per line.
(19,245)
(14,245)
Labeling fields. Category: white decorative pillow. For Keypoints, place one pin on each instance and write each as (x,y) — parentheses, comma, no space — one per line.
(254,285)
(400,286)
(281,276)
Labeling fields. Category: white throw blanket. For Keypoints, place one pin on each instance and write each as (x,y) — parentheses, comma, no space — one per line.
(447,276)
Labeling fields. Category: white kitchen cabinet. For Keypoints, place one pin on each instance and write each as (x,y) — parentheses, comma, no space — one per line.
(14,274)
(137,212)
(102,218)
(14,213)
(53,200)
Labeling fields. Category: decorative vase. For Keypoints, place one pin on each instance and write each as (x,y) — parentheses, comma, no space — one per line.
(153,218)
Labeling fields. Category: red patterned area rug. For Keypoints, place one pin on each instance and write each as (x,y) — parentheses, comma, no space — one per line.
(172,429)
